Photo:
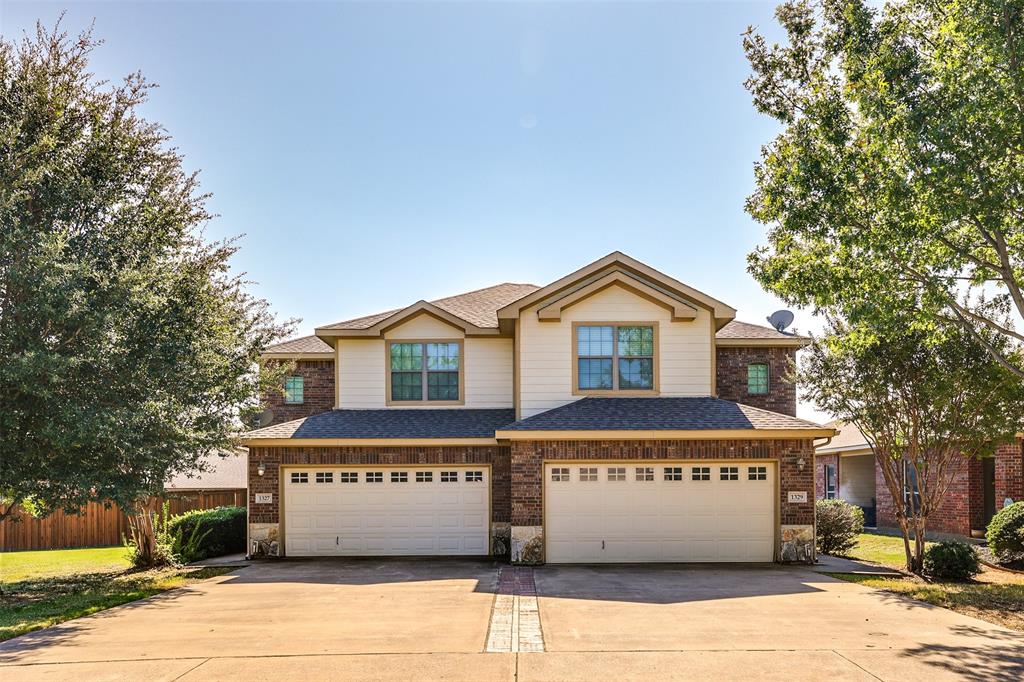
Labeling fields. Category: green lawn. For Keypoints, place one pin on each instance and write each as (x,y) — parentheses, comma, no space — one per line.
(995,596)
(18,566)
(881,549)
(40,589)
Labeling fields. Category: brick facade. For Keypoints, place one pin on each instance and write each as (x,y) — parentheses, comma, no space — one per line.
(731,376)
(528,459)
(496,456)
(318,392)
(820,463)
(963,509)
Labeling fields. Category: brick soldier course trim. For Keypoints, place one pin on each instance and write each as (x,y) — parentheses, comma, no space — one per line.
(274,458)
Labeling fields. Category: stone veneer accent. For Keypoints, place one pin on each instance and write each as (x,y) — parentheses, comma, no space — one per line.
(264,519)
(317,392)
(731,376)
(528,458)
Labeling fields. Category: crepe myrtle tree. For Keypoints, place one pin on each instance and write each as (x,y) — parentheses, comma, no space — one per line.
(129,349)
(927,403)
(897,180)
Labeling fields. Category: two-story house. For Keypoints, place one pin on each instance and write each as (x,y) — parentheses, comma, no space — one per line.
(614,415)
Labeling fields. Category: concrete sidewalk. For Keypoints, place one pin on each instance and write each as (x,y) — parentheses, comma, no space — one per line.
(834,564)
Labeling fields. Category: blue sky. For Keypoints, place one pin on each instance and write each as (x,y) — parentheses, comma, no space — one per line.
(374,154)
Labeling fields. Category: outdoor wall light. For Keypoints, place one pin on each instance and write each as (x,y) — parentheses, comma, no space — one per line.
(799,464)
(262,468)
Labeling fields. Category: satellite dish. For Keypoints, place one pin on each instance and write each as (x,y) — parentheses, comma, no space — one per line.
(780,319)
(264,418)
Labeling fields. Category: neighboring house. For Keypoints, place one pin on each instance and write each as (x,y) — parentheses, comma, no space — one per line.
(846,469)
(225,473)
(615,414)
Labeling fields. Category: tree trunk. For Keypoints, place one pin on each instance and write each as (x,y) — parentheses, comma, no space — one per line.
(140,524)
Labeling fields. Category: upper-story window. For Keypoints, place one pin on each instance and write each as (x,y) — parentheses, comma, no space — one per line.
(615,357)
(757,378)
(293,390)
(425,371)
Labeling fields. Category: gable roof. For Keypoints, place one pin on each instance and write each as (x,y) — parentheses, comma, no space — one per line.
(477,309)
(302,346)
(738,333)
(618,261)
(848,439)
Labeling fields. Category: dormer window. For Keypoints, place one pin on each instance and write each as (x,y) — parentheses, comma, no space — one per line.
(614,358)
(425,372)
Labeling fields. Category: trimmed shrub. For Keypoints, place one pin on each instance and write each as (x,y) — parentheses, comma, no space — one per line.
(203,533)
(839,524)
(951,560)
(1005,533)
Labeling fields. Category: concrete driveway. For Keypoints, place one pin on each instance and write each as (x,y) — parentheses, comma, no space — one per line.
(379,620)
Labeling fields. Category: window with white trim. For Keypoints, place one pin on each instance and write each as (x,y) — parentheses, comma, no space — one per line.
(588,474)
(700,473)
(645,473)
(559,474)
(830,482)
(325,477)
(399,476)
(374,476)
(757,473)
(729,473)
(673,473)
(349,477)
(449,477)
(474,477)
(300,477)
(424,476)
(616,473)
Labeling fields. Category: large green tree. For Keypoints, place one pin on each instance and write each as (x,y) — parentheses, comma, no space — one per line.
(897,182)
(928,403)
(127,348)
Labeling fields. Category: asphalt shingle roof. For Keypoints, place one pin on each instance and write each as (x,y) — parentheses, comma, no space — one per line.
(392,423)
(304,344)
(745,330)
(478,307)
(652,414)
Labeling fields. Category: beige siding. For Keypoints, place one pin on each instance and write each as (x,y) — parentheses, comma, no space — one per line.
(424,326)
(488,366)
(546,357)
(362,374)
(857,479)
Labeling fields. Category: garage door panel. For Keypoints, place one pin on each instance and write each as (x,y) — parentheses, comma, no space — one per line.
(670,518)
(379,515)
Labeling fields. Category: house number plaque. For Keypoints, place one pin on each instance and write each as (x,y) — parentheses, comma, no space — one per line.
(797,496)
(268,498)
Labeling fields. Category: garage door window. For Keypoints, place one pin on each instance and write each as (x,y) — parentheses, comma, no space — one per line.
(645,473)
(588,474)
(474,477)
(560,474)
(757,473)
(616,473)
(399,476)
(424,476)
(729,473)
(673,473)
(449,477)
(349,477)
(375,477)
(700,473)
(300,477)
(325,477)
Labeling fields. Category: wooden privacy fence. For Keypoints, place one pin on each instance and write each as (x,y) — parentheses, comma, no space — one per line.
(98,525)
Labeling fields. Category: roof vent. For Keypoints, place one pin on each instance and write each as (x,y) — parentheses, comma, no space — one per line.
(780,319)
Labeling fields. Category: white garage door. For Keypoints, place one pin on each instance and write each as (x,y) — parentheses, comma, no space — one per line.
(657,511)
(386,511)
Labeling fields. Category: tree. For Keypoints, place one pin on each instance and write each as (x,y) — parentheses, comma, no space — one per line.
(926,403)
(897,182)
(129,350)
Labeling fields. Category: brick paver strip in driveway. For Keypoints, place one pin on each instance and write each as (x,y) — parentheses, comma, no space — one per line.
(515,619)
(400,620)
